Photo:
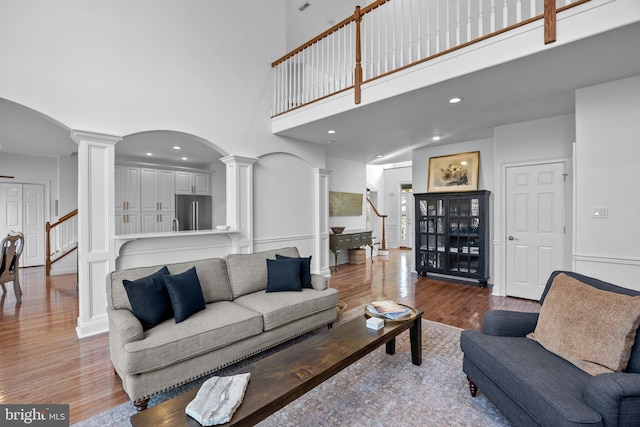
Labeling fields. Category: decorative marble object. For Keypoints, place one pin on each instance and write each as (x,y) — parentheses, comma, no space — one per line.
(217,399)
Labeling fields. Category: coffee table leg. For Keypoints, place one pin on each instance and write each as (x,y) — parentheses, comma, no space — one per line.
(415,335)
(391,346)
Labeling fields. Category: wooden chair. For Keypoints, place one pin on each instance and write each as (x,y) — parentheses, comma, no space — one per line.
(10,251)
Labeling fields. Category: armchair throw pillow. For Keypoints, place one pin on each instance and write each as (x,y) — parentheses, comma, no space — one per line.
(591,328)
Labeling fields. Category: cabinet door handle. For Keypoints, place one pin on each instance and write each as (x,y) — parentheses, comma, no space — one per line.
(124,205)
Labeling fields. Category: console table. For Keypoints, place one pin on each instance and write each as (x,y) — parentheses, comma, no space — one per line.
(340,242)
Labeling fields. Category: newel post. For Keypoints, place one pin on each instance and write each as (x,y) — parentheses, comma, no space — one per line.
(549,21)
(357,73)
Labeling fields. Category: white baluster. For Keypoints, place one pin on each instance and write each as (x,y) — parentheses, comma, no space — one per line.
(532,6)
(480,19)
(469,35)
(437,47)
(493,16)
(410,34)
(448,23)
(428,30)
(519,11)
(458,30)
(419,40)
(505,14)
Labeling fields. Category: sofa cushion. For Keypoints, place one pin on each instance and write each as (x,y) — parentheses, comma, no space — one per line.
(221,324)
(213,277)
(283,275)
(281,308)
(212,273)
(593,329)
(248,272)
(305,269)
(185,294)
(149,298)
(544,385)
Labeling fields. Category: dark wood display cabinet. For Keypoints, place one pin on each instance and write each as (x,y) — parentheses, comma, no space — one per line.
(452,234)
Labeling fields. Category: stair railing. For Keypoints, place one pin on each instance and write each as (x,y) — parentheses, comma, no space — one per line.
(64,235)
(383,246)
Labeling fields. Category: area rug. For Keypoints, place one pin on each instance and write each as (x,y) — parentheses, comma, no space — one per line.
(378,390)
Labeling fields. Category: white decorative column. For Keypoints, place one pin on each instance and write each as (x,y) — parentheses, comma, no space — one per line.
(96,228)
(320,258)
(240,200)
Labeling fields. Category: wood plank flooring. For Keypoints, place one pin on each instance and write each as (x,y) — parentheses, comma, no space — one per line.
(43,361)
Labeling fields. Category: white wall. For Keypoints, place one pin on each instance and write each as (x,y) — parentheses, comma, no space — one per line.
(393,177)
(120,67)
(284,206)
(607,152)
(536,141)
(348,177)
(33,170)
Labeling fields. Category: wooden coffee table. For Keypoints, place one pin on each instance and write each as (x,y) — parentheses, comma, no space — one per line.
(279,379)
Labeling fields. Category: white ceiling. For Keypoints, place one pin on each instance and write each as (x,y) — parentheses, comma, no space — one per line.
(530,88)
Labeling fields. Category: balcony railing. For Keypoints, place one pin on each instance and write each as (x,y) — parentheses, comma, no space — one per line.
(390,35)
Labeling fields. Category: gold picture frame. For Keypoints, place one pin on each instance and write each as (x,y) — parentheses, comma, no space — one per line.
(455,172)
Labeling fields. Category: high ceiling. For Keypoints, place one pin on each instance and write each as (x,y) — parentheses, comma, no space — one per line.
(530,88)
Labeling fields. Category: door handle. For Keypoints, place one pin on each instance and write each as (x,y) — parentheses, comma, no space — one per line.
(511,238)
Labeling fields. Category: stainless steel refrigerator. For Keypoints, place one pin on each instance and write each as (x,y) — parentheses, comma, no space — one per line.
(193,212)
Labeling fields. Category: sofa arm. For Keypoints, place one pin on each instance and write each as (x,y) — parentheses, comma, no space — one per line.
(124,327)
(508,323)
(616,397)
(319,282)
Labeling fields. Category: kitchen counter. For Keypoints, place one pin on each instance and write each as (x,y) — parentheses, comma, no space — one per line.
(171,246)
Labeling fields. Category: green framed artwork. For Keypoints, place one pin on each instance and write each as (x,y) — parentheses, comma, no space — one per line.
(345,204)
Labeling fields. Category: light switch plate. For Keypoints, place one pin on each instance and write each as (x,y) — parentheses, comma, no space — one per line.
(600,212)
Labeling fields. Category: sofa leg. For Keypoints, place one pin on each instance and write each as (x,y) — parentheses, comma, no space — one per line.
(473,388)
(330,325)
(141,405)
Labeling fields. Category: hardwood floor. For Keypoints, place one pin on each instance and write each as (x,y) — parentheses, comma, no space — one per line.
(43,361)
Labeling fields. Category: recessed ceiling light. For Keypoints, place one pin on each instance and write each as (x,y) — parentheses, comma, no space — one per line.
(176,147)
(379,156)
(455,100)
(184,158)
(149,154)
(331,131)
(436,137)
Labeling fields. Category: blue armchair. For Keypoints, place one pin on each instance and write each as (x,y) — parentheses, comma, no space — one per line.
(534,387)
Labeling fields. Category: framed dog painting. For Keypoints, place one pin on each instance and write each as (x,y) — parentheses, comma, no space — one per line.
(456,172)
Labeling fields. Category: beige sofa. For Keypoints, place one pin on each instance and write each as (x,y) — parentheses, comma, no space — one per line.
(240,319)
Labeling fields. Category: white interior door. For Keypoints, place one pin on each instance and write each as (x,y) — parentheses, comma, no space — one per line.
(22,209)
(535,227)
(33,225)
(405,210)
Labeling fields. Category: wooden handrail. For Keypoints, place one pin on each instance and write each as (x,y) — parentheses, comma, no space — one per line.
(48,227)
(379,215)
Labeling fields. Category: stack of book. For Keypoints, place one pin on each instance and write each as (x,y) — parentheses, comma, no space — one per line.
(389,309)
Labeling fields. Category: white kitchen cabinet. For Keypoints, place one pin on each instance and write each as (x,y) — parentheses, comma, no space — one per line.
(127,223)
(157,190)
(192,183)
(156,222)
(127,188)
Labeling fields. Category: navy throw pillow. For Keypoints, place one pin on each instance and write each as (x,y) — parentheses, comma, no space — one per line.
(185,293)
(283,275)
(149,298)
(305,270)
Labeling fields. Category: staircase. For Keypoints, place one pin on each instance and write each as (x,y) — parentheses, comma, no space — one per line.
(61,239)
